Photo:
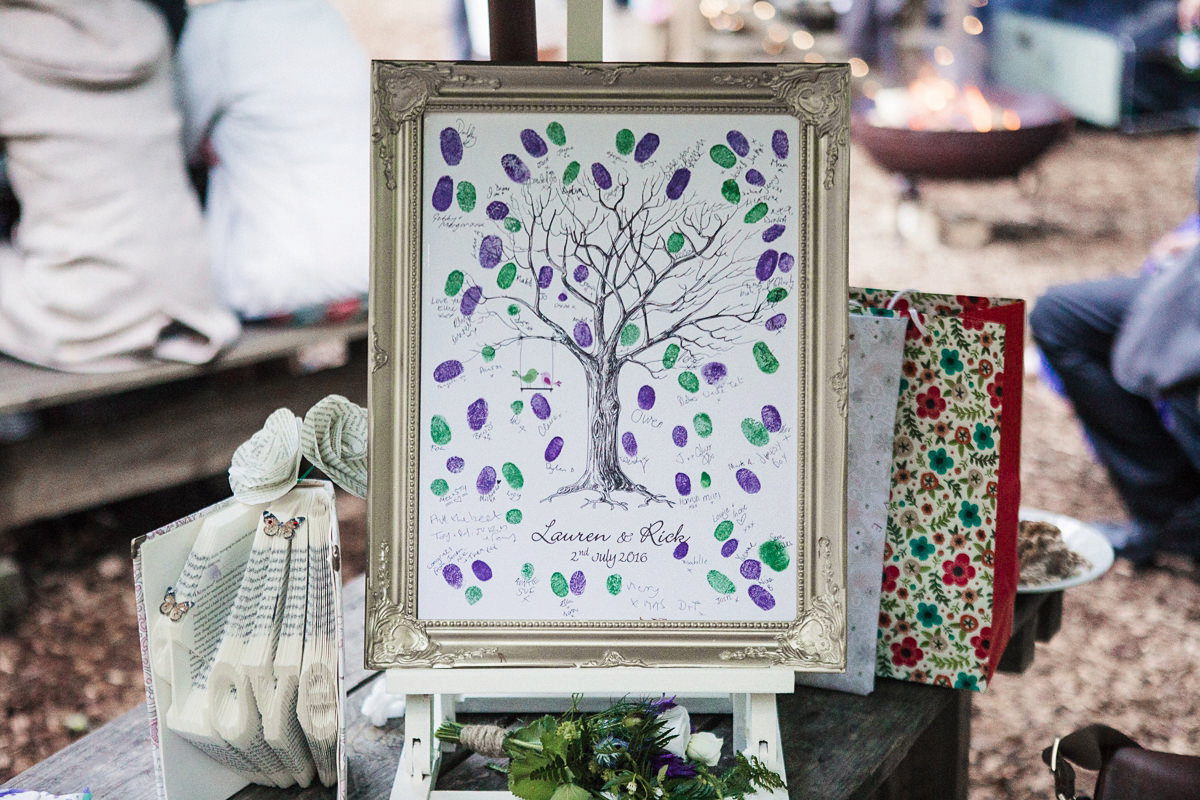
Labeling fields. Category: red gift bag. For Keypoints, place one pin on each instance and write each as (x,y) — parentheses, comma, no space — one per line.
(950,558)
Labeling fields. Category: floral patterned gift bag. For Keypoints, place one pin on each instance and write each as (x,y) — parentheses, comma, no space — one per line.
(950,556)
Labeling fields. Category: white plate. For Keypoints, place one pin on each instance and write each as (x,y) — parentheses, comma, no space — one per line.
(1078,537)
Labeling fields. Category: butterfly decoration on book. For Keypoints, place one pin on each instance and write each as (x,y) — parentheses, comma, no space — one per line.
(171,609)
(273,527)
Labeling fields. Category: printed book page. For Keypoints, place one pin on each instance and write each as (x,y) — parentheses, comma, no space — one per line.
(243,647)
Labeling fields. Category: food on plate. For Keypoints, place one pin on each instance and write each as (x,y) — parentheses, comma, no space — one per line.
(1043,556)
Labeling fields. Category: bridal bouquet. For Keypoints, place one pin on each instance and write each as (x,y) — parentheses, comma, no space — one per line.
(633,750)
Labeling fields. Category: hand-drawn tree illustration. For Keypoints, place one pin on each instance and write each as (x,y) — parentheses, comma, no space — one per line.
(630,268)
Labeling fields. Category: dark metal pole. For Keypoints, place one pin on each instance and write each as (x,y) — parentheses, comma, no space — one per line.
(512,25)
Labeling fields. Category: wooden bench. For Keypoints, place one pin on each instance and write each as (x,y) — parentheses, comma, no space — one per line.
(102,438)
(107,437)
(903,741)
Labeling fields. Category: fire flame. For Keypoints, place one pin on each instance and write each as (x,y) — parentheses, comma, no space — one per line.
(933,103)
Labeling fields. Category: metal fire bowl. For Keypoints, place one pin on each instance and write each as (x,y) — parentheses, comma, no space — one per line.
(967,154)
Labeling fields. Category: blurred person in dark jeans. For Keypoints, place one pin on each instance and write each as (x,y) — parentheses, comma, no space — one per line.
(1127,353)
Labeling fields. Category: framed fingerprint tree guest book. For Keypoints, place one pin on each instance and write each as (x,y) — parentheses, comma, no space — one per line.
(608,394)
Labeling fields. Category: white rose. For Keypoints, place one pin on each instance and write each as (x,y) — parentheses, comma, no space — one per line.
(705,747)
(334,438)
(266,466)
(678,725)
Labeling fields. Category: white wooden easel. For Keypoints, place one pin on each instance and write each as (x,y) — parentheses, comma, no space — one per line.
(434,695)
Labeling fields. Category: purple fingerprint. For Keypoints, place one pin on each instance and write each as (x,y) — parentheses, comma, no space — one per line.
(581,273)
(497,210)
(447,370)
(562,297)
(774,232)
(786,262)
(455,464)
(477,414)
(486,480)
(748,481)
(443,193)
(776,322)
(755,178)
(514,167)
(452,146)
(761,597)
(713,372)
(771,419)
(681,551)
(600,176)
(738,143)
(629,443)
(453,575)
(554,448)
(766,265)
(540,405)
(751,569)
(645,147)
(679,435)
(583,334)
(491,250)
(779,143)
(545,275)
(646,397)
(470,300)
(683,484)
(533,143)
(730,546)
(578,582)
(482,571)
(678,183)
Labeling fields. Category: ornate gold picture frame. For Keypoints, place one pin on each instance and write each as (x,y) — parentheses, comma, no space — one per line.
(608,397)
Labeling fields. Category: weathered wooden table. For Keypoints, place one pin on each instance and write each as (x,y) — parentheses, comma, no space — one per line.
(903,741)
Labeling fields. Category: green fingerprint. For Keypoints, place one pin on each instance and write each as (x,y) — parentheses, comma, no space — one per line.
(625,141)
(466,196)
(705,480)
(703,424)
(506,276)
(488,352)
(512,224)
(439,487)
(675,242)
(755,214)
(558,584)
(556,133)
(514,516)
(776,294)
(724,530)
(517,407)
(774,554)
(670,355)
(570,173)
(473,594)
(439,429)
(720,582)
(754,431)
(513,475)
(630,334)
(613,584)
(514,309)
(765,359)
(730,191)
(690,382)
(454,282)
(722,155)
(527,571)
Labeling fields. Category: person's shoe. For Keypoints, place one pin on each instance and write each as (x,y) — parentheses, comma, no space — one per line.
(1129,541)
